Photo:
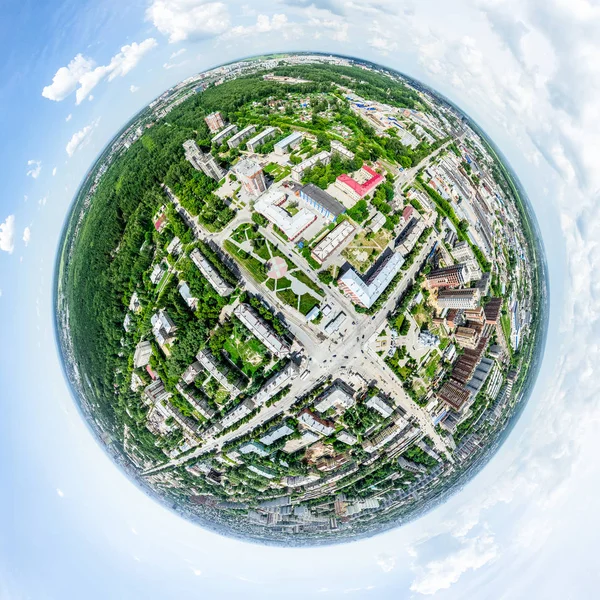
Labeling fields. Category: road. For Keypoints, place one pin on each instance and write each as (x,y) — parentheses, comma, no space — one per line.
(351,350)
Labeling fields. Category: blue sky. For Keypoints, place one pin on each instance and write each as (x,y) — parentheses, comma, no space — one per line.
(72,525)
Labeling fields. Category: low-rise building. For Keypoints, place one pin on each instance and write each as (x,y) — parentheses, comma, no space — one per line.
(322,202)
(163,327)
(238,413)
(380,405)
(210,273)
(335,324)
(186,294)
(276,434)
(240,136)
(463,298)
(157,273)
(224,134)
(363,183)
(333,241)
(298,171)
(366,293)
(447,277)
(253,448)
(156,392)
(258,140)
(454,395)
(385,436)
(174,246)
(346,438)
(341,150)
(314,423)
(215,370)
(141,357)
(270,205)
(276,383)
(334,396)
(248,316)
(289,143)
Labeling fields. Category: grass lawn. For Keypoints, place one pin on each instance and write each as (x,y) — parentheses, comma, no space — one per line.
(249,262)
(307,303)
(302,277)
(363,252)
(251,352)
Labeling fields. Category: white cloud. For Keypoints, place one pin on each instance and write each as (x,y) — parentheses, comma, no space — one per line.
(133,88)
(169,65)
(53,171)
(81,137)
(7,234)
(26,235)
(120,64)
(82,76)
(386,562)
(264,24)
(34,168)
(188,19)
(177,53)
(66,79)
(60,493)
(42,201)
(440,574)
(69,117)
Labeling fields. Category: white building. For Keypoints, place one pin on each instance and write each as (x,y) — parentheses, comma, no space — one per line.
(380,405)
(289,143)
(251,176)
(142,354)
(259,328)
(335,396)
(276,434)
(239,137)
(258,140)
(333,241)
(270,206)
(367,293)
(210,273)
(323,158)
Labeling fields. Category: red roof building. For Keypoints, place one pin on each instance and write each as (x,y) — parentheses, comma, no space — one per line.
(360,190)
(407,213)
(160,223)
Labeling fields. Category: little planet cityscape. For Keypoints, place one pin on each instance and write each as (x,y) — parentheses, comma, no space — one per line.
(300,299)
